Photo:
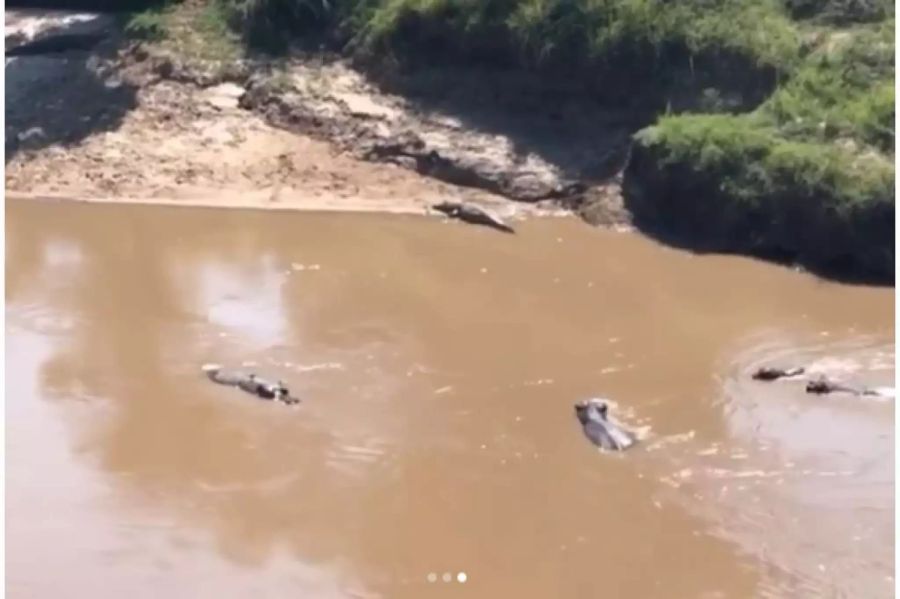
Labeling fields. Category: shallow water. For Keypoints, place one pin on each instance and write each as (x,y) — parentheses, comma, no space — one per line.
(439,365)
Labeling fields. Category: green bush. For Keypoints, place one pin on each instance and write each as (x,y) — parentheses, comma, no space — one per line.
(807,176)
(843,90)
(872,116)
(752,163)
(272,24)
(734,183)
(147,25)
(588,31)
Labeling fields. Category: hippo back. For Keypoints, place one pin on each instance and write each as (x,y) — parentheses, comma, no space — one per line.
(607,435)
(226,377)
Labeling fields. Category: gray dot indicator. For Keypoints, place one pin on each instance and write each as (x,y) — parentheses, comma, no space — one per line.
(432,577)
(447,577)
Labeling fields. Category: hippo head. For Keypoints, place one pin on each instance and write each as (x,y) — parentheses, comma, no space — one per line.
(281,391)
(593,407)
(818,386)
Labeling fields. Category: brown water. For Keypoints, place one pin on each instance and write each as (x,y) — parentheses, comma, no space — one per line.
(438,364)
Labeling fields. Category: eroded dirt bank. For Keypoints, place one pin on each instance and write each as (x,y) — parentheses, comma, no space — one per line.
(119,121)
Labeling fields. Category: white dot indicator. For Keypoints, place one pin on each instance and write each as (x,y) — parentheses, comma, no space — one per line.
(461,577)
(432,577)
(447,577)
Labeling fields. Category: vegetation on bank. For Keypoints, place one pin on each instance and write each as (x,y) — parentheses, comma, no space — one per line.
(775,118)
(807,176)
(734,183)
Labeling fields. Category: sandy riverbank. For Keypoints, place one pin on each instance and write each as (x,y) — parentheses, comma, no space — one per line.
(101,126)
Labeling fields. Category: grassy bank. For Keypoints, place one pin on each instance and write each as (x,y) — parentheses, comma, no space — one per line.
(733,183)
(691,54)
(775,118)
(808,176)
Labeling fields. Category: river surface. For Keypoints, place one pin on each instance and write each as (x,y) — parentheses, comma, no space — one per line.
(438,364)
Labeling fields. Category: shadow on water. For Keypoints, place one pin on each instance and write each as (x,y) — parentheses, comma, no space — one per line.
(154,430)
(843,269)
(58,89)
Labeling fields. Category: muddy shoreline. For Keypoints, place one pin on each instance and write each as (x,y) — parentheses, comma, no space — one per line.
(308,133)
(312,205)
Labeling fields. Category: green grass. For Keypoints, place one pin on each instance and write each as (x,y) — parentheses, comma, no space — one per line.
(750,160)
(194,30)
(735,182)
(149,24)
(271,25)
(212,23)
(581,32)
(845,89)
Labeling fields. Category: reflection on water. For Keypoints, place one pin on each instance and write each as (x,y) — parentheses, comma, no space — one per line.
(252,308)
(438,365)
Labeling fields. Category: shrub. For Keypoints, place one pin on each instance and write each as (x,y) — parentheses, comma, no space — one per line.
(147,25)
(733,183)
(843,90)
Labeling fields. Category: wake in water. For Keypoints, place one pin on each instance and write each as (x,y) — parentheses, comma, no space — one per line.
(802,484)
(825,374)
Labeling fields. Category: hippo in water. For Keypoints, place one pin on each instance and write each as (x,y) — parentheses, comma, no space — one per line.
(604,433)
(772,374)
(251,383)
(822,386)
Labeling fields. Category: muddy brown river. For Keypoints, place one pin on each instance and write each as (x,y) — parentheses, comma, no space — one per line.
(438,366)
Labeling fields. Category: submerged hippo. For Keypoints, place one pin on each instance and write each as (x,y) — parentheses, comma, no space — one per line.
(471,213)
(772,374)
(822,386)
(249,382)
(604,433)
